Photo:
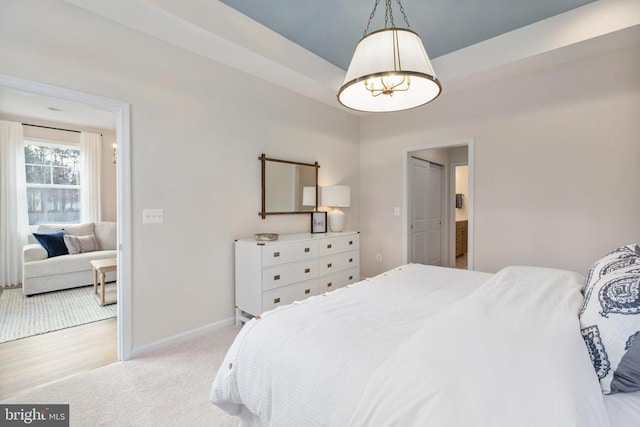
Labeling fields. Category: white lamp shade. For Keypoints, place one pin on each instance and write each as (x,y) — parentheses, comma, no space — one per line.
(336,195)
(308,196)
(391,54)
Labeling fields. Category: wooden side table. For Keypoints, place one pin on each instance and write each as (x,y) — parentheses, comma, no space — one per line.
(100,268)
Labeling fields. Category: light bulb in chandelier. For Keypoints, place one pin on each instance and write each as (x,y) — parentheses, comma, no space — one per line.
(388,85)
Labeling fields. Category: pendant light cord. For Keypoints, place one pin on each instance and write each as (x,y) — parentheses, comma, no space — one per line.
(404,15)
(373,13)
(388,16)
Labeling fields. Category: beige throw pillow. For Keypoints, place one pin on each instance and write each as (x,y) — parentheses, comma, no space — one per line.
(80,244)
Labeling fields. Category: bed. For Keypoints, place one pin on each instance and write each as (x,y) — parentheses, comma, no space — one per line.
(424,345)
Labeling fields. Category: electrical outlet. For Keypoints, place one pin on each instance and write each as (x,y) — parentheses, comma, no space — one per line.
(378,257)
(396,211)
(152,216)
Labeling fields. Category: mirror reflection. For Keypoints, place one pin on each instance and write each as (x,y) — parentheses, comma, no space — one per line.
(288,187)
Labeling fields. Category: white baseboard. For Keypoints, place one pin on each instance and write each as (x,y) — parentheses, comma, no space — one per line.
(176,339)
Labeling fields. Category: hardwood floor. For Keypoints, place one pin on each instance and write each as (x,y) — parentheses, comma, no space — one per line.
(461,261)
(37,360)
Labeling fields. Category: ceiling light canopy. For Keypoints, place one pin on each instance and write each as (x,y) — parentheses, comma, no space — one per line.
(390,69)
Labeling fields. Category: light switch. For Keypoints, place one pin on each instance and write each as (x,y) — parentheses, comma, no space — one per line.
(396,211)
(152,216)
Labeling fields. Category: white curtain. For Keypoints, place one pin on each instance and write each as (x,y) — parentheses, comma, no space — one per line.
(90,166)
(13,203)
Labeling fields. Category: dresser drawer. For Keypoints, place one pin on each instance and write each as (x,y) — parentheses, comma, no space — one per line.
(283,253)
(275,273)
(338,244)
(338,280)
(288,294)
(282,275)
(338,262)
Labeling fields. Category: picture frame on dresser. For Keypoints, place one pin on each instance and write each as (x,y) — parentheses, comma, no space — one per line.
(318,222)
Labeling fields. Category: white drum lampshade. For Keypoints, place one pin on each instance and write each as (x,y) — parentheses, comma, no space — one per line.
(389,71)
(336,196)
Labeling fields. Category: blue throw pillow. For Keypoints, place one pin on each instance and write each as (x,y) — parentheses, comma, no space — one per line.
(52,242)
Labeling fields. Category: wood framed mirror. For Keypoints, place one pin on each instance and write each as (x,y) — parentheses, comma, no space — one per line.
(288,187)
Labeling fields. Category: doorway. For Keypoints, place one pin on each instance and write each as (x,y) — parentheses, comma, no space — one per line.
(123,173)
(436,166)
(460,179)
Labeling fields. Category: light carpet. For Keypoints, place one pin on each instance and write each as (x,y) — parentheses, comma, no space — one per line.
(22,316)
(168,388)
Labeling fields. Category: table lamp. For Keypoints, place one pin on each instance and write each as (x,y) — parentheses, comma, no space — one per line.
(336,196)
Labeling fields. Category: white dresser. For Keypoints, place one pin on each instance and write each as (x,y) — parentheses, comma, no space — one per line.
(295,267)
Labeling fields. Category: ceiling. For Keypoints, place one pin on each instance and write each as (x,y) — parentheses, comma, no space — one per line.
(332,28)
(46,110)
(305,46)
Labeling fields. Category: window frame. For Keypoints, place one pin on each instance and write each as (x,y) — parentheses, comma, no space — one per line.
(66,145)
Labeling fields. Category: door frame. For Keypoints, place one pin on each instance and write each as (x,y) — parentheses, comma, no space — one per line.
(121,109)
(406,153)
(443,203)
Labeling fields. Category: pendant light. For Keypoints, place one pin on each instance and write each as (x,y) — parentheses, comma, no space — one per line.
(390,69)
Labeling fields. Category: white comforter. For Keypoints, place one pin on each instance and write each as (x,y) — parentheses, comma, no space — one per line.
(419,346)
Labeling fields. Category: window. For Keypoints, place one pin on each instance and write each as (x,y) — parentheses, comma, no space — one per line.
(53,182)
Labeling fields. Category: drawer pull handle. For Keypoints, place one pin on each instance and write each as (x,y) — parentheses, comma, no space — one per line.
(329,285)
(351,242)
(276,254)
(306,270)
(276,277)
(329,265)
(307,291)
(276,300)
(350,277)
(350,259)
(306,249)
(329,246)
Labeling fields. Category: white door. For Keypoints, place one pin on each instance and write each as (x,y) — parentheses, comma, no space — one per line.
(435,193)
(427,181)
(418,201)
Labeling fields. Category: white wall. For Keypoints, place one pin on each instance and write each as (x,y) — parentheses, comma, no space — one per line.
(198,129)
(556,156)
(108,190)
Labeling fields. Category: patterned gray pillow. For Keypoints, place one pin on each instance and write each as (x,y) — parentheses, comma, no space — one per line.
(80,244)
(610,325)
(614,260)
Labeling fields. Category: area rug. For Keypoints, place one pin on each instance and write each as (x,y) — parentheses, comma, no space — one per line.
(22,316)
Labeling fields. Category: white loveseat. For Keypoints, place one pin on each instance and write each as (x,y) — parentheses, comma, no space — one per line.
(42,274)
